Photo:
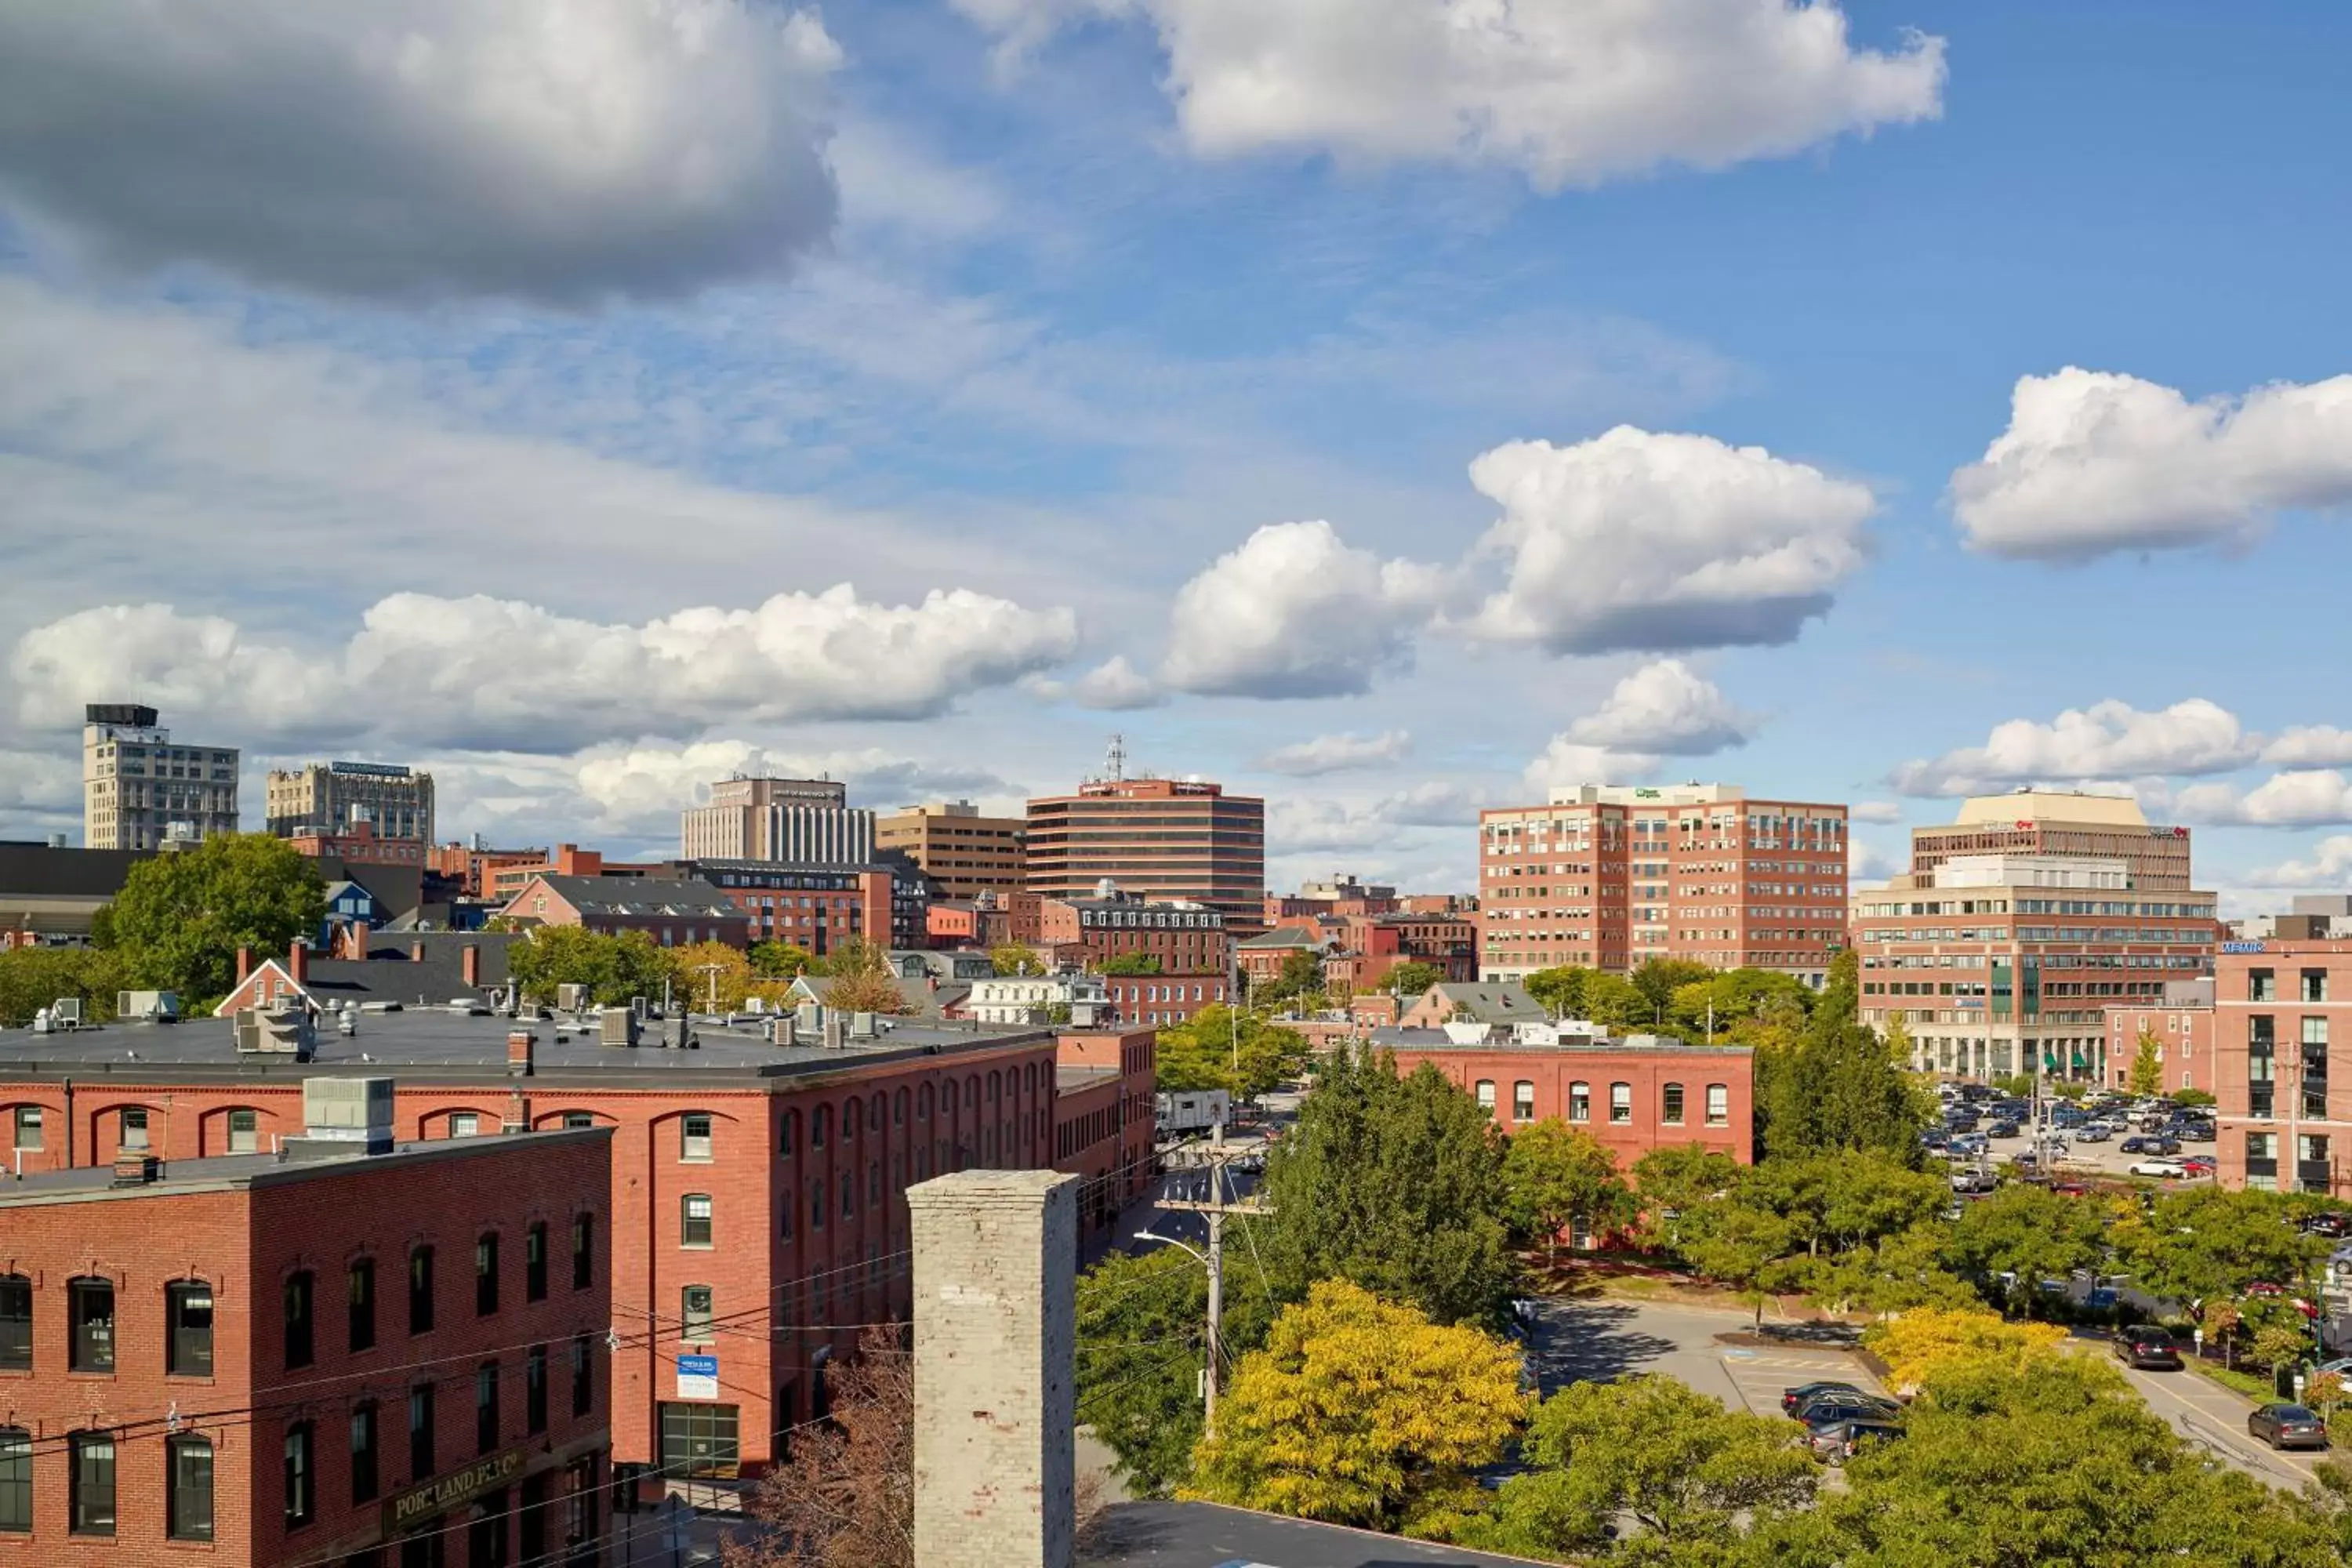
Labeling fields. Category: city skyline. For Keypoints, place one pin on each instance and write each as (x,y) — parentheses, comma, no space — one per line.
(1933,421)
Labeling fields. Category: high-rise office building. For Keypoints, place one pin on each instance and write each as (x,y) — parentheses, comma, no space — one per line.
(1158,839)
(325,799)
(1607,878)
(139,788)
(2059,822)
(807,821)
(965,853)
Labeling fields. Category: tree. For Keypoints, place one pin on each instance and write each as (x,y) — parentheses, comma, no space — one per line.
(1561,990)
(854,955)
(780,961)
(1611,1002)
(1395,1184)
(714,975)
(1012,958)
(1840,1088)
(2028,1234)
(1735,1241)
(1919,1347)
(2202,1245)
(1139,1324)
(1649,1448)
(1132,963)
(1657,980)
(181,916)
(1412,979)
(2187,1097)
(2147,1069)
(845,1495)
(1361,1411)
(1302,975)
(1673,1178)
(1555,1175)
(1241,1053)
(1738,999)
(32,978)
(615,969)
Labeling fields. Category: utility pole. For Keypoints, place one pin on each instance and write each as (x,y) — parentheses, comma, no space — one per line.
(711,970)
(1216,1207)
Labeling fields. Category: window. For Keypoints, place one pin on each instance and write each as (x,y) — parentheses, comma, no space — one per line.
(534,1390)
(90,1303)
(464,1125)
(301,1479)
(820,1123)
(135,1138)
(188,1499)
(16,1322)
(420,1432)
(2315,986)
(583,1378)
(420,1291)
(1718,1105)
(848,1195)
(363,1450)
(188,1329)
(486,1274)
(28,1128)
(784,1207)
(816,1206)
(1485,1091)
(695,1311)
(1670,1105)
(359,1288)
(694,1135)
(533,1517)
(91,1485)
(2261,985)
(1621,1103)
(1579,1102)
(694,1220)
(583,1251)
(16,1480)
(698,1440)
(1523,1100)
(244,1131)
(576,1120)
(297,1319)
(486,1408)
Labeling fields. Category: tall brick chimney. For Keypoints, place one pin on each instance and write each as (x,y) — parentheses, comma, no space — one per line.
(471,957)
(995,1331)
(415,952)
(298,961)
(243,964)
(521,1046)
(356,939)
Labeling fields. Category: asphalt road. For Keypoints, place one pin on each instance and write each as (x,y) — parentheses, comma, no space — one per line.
(2214,1418)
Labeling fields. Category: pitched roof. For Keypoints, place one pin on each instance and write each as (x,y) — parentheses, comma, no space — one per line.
(1491,1002)
(1282,936)
(448,946)
(638,896)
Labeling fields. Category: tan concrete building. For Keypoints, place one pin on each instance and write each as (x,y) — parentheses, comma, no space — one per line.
(808,821)
(326,800)
(2059,822)
(1607,878)
(138,785)
(966,853)
(1158,839)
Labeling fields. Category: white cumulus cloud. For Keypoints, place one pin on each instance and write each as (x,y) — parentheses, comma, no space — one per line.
(1647,542)
(1665,707)
(1875,811)
(2299,797)
(2328,864)
(505,675)
(1570,94)
(1294,611)
(2309,746)
(2094,462)
(1116,686)
(2104,739)
(1564,763)
(1337,753)
(557,150)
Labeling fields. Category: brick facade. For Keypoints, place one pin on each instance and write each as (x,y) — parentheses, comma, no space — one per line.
(1522,1085)
(2283,1064)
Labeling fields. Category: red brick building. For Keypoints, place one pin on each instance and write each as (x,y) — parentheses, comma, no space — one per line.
(475,870)
(1634,1095)
(2283,1064)
(1607,878)
(1156,999)
(2182,1024)
(358,844)
(755,1186)
(340,1356)
(674,913)
(1103,1120)
(1159,838)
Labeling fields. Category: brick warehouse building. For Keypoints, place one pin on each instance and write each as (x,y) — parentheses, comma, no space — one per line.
(1635,1094)
(359,1353)
(1607,878)
(1103,1126)
(2283,1064)
(754,1184)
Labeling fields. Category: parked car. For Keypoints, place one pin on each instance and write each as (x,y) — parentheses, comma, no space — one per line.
(2155,1143)
(2146,1345)
(2265,1287)
(1839,1441)
(1970,1179)
(2070,1189)
(2196,1133)
(2198,1164)
(2285,1425)
(2163,1169)
(1792,1398)
(2093,1132)
(2003,1128)
(2330,1223)
(1833,1406)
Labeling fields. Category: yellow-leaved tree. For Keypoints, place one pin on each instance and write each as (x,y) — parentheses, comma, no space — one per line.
(2148,1065)
(1359,1411)
(1931,1343)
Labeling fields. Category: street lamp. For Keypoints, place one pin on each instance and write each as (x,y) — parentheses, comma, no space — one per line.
(1207,1260)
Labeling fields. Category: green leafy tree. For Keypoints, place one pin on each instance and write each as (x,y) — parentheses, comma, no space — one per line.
(1738,999)
(615,969)
(1737,1241)
(1245,1054)
(1840,1087)
(1132,963)
(1675,1178)
(854,955)
(1301,976)
(1140,1333)
(1613,1002)
(1657,979)
(2147,1072)
(1412,979)
(31,978)
(1396,1184)
(1012,958)
(181,917)
(780,961)
(1648,1448)
(1554,1175)
(2200,1245)
(2028,1234)
(2187,1097)
(1561,990)
(1362,1412)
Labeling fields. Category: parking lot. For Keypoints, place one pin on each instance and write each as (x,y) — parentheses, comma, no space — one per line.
(2105,1158)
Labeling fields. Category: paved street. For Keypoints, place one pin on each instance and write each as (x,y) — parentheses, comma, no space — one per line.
(2214,1418)
(1599,1339)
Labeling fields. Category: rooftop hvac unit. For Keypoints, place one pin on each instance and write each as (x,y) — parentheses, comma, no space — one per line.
(677,1034)
(618,1027)
(861,1026)
(147,1007)
(836,1030)
(277,1031)
(783,1030)
(571,998)
(65,1013)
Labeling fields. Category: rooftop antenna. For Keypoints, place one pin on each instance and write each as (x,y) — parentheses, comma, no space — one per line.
(1115,759)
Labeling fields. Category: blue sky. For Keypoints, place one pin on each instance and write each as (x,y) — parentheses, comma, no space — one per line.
(436,385)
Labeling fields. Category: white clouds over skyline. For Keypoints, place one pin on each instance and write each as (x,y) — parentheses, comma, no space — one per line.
(2107,740)
(1665,707)
(1337,753)
(2094,462)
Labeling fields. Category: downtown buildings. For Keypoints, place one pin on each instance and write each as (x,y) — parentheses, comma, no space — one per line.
(2021,924)
(390,805)
(1165,840)
(140,788)
(806,821)
(965,853)
(2283,1064)
(1608,878)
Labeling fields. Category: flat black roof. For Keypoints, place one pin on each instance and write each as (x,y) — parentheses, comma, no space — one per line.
(1205,1535)
(303,1160)
(441,1045)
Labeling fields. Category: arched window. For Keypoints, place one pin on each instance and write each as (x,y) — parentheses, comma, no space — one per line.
(923,1103)
(486,1274)
(420,1290)
(972,1092)
(1579,1101)
(1670,1104)
(819,1126)
(899,1109)
(1029,1079)
(1485,1094)
(874,1112)
(849,1120)
(583,1251)
(789,1138)
(1523,1100)
(1621,1103)
(996,1087)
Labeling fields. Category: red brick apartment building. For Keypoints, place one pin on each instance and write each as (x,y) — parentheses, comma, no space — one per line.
(1607,878)
(1188,939)
(757,1194)
(1633,1094)
(1156,839)
(2283,1064)
(1103,1128)
(672,912)
(2182,1024)
(349,1352)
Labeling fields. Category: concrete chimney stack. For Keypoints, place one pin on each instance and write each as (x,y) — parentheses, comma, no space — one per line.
(996,1256)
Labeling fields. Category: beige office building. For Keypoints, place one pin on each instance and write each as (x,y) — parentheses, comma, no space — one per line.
(325,799)
(140,788)
(804,821)
(966,853)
